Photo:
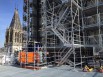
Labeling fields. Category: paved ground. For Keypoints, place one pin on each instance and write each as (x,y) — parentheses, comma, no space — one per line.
(9,71)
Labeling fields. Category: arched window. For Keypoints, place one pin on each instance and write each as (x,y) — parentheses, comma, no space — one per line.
(11,35)
(15,36)
(7,36)
(19,37)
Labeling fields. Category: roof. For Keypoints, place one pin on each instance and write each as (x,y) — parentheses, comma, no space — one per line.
(64,71)
(15,23)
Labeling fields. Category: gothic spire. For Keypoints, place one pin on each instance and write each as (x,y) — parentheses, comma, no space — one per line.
(15,23)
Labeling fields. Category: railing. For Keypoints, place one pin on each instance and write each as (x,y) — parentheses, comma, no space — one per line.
(94,39)
(94,20)
(91,40)
(92,3)
(90,20)
(101,18)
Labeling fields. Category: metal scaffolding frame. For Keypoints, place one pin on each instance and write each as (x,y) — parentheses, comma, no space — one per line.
(66,20)
(92,26)
(94,21)
(31,36)
(62,21)
(66,30)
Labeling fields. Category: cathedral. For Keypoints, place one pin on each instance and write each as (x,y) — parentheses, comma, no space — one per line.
(13,38)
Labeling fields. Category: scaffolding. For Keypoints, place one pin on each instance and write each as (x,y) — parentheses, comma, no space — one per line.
(61,21)
(31,56)
(72,22)
(93,21)
(70,30)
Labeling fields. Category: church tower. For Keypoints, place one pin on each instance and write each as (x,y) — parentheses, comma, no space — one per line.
(13,38)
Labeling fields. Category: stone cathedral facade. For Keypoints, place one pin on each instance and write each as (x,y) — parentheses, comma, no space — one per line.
(13,38)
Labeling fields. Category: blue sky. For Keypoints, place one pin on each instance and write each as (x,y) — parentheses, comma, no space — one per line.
(7,8)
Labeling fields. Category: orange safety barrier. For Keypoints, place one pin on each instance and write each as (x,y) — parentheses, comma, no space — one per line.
(28,57)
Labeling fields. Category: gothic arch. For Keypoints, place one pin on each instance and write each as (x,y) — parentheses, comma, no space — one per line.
(18,37)
(15,36)
(21,37)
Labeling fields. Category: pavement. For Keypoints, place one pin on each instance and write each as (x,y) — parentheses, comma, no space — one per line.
(63,71)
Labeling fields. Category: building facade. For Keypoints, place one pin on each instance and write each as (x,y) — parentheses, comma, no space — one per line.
(13,39)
